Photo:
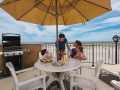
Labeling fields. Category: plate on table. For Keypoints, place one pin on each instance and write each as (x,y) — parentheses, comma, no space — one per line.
(58,63)
(44,60)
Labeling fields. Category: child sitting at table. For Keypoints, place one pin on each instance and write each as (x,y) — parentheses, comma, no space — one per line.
(46,54)
(80,55)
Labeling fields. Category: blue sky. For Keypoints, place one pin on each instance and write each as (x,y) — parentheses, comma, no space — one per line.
(102,28)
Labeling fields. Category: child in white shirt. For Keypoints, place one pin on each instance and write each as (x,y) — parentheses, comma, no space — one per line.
(46,54)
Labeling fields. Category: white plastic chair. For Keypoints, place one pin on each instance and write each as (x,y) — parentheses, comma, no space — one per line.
(111,69)
(87,81)
(29,84)
(116,84)
(40,56)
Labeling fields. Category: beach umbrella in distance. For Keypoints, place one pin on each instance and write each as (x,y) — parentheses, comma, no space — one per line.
(56,12)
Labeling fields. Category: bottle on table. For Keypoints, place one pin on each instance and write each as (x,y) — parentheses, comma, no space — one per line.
(64,58)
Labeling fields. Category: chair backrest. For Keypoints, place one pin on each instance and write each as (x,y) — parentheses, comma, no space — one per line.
(12,70)
(40,55)
(98,67)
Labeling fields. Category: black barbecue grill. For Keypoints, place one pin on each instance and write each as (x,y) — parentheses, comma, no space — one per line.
(12,51)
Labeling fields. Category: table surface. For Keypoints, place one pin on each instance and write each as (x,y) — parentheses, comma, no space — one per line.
(70,65)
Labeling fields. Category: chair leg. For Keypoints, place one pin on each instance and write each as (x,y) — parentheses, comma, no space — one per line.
(115,88)
(49,81)
(71,83)
(62,85)
(66,76)
(76,87)
(14,86)
(35,72)
(101,71)
(80,69)
(44,85)
(17,88)
(61,78)
(71,87)
(96,86)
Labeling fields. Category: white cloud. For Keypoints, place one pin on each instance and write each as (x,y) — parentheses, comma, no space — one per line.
(31,32)
(106,36)
(115,4)
(115,20)
(52,28)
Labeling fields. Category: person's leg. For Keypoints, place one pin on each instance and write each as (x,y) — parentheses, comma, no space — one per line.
(54,87)
(58,74)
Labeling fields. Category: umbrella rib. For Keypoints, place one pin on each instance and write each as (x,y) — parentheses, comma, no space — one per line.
(97,5)
(69,9)
(77,10)
(47,11)
(62,14)
(30,10)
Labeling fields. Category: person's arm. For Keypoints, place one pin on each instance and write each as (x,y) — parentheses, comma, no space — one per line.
(84,57)
(81,58)
(48,57)
(68,47)
(70,54)
(75,57)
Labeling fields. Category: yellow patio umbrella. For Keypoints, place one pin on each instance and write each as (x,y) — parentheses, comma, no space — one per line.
(56,12)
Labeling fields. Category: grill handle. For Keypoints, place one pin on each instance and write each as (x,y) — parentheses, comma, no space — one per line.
(6,34)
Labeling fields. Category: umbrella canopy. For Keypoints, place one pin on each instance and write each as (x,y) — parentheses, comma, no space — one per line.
(43,12)
(56,12)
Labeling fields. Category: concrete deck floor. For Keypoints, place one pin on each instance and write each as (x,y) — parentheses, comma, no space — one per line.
(6,83)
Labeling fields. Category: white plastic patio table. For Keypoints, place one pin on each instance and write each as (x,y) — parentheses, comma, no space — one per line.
(71,64)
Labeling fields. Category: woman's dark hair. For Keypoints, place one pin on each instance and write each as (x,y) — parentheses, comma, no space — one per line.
(81,48)
(79,45)
(61,35)
(43,51)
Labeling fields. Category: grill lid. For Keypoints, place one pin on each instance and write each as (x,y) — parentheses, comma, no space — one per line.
(10,40)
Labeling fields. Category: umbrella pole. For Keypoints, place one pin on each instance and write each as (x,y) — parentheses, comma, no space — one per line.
(56,16)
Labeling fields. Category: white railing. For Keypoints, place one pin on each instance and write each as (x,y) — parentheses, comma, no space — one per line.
(93,51)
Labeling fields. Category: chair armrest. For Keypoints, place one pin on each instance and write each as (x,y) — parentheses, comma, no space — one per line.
(24,70)
(31,80)
(84,77)
(112,72)
(113,81)
(115,84)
